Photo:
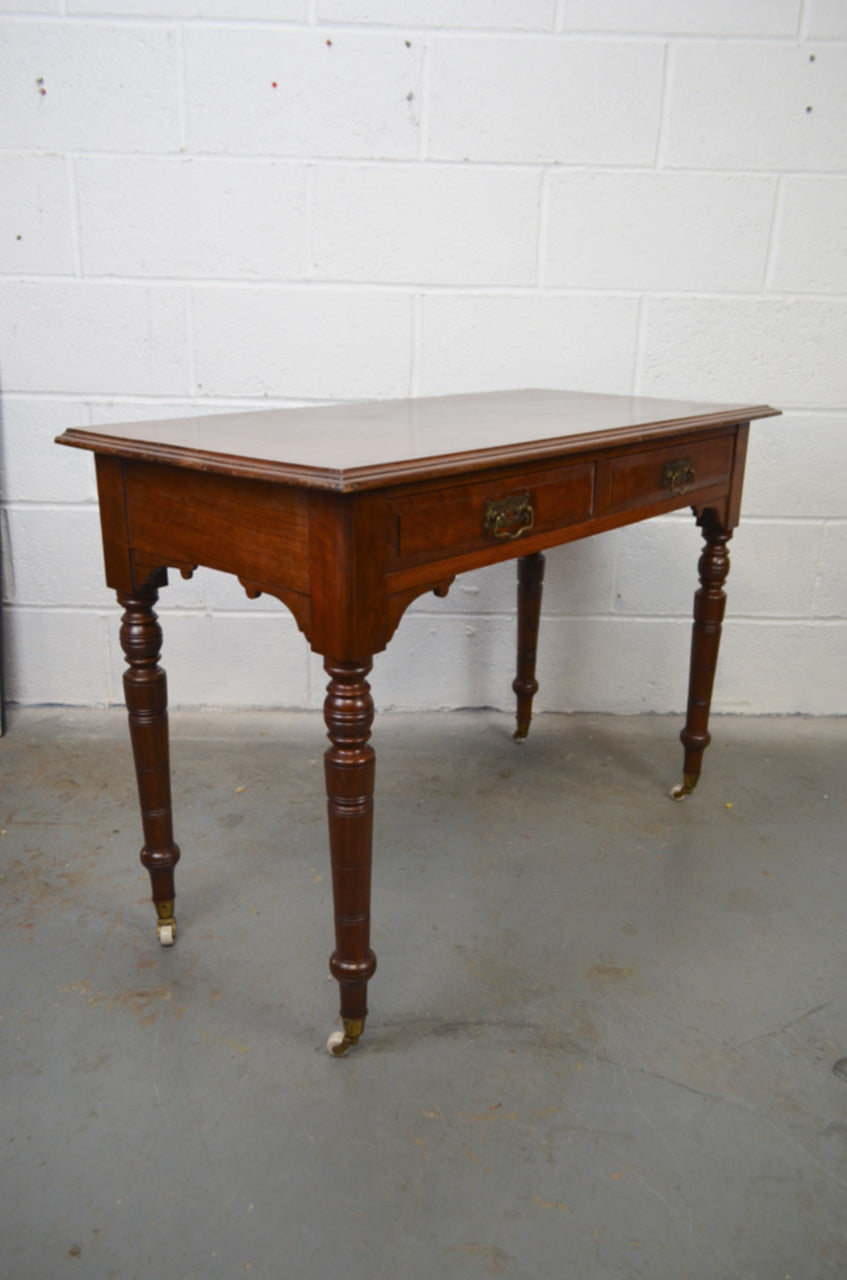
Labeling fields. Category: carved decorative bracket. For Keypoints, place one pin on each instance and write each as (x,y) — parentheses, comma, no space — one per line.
(298,605)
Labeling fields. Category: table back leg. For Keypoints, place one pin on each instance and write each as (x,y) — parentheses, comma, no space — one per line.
(349,769)
(145,689)
(709,605)
(525,685)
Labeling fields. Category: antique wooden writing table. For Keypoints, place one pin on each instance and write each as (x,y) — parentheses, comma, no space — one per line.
(346,514)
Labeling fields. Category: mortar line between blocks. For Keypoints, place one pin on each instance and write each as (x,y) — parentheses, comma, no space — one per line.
(357,27)
(640,353)
(190,343)
(74,214)
(416,344)
(543,228)
(424,91)
(181,90)
(665,107)
(774,232)
(202,156)
(388,287)
(803,20)
(309,211)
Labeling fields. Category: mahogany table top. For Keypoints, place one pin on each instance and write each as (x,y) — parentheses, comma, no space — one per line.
(366,444)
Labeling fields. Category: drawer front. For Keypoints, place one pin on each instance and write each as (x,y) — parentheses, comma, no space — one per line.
(489,513)
(652,475)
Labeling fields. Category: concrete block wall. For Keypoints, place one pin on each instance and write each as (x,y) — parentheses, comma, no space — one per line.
(209,204)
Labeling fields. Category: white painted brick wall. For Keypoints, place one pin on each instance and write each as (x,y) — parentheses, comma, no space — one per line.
(210,204)
(36,195)
(193,218)
(426,224)
(85,336)
(754,106)
(810,255)
(684,17)
(311,342)
(468,341)
(648,231)
(544,101)
(84,86)
(275,91)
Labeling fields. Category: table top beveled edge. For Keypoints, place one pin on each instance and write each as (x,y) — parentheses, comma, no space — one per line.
(399,471)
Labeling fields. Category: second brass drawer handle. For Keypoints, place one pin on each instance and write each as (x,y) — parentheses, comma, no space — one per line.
(678,477)
(509,517)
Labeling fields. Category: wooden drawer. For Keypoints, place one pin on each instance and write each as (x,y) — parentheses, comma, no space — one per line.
(652,475)
(487,513)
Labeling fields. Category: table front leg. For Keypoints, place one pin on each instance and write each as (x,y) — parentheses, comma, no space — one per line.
(145,689)
(709,605)
(525,685)
(349,768)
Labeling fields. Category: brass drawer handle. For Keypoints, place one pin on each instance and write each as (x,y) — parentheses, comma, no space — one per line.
(678,477)
(509,517)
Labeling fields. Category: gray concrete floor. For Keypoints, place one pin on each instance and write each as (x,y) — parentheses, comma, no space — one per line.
(603,1030)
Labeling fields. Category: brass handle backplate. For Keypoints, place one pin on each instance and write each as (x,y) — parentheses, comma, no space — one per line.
(509,517)
(678,477)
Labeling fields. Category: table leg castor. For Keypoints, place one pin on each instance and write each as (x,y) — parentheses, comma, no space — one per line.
(340,1041)
(166,924)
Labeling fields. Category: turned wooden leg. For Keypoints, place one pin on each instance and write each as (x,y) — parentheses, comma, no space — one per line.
(349,767)
(709,604)
(146,694)
(525,685)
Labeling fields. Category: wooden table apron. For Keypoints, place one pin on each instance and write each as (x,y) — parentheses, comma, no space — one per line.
(348,556)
